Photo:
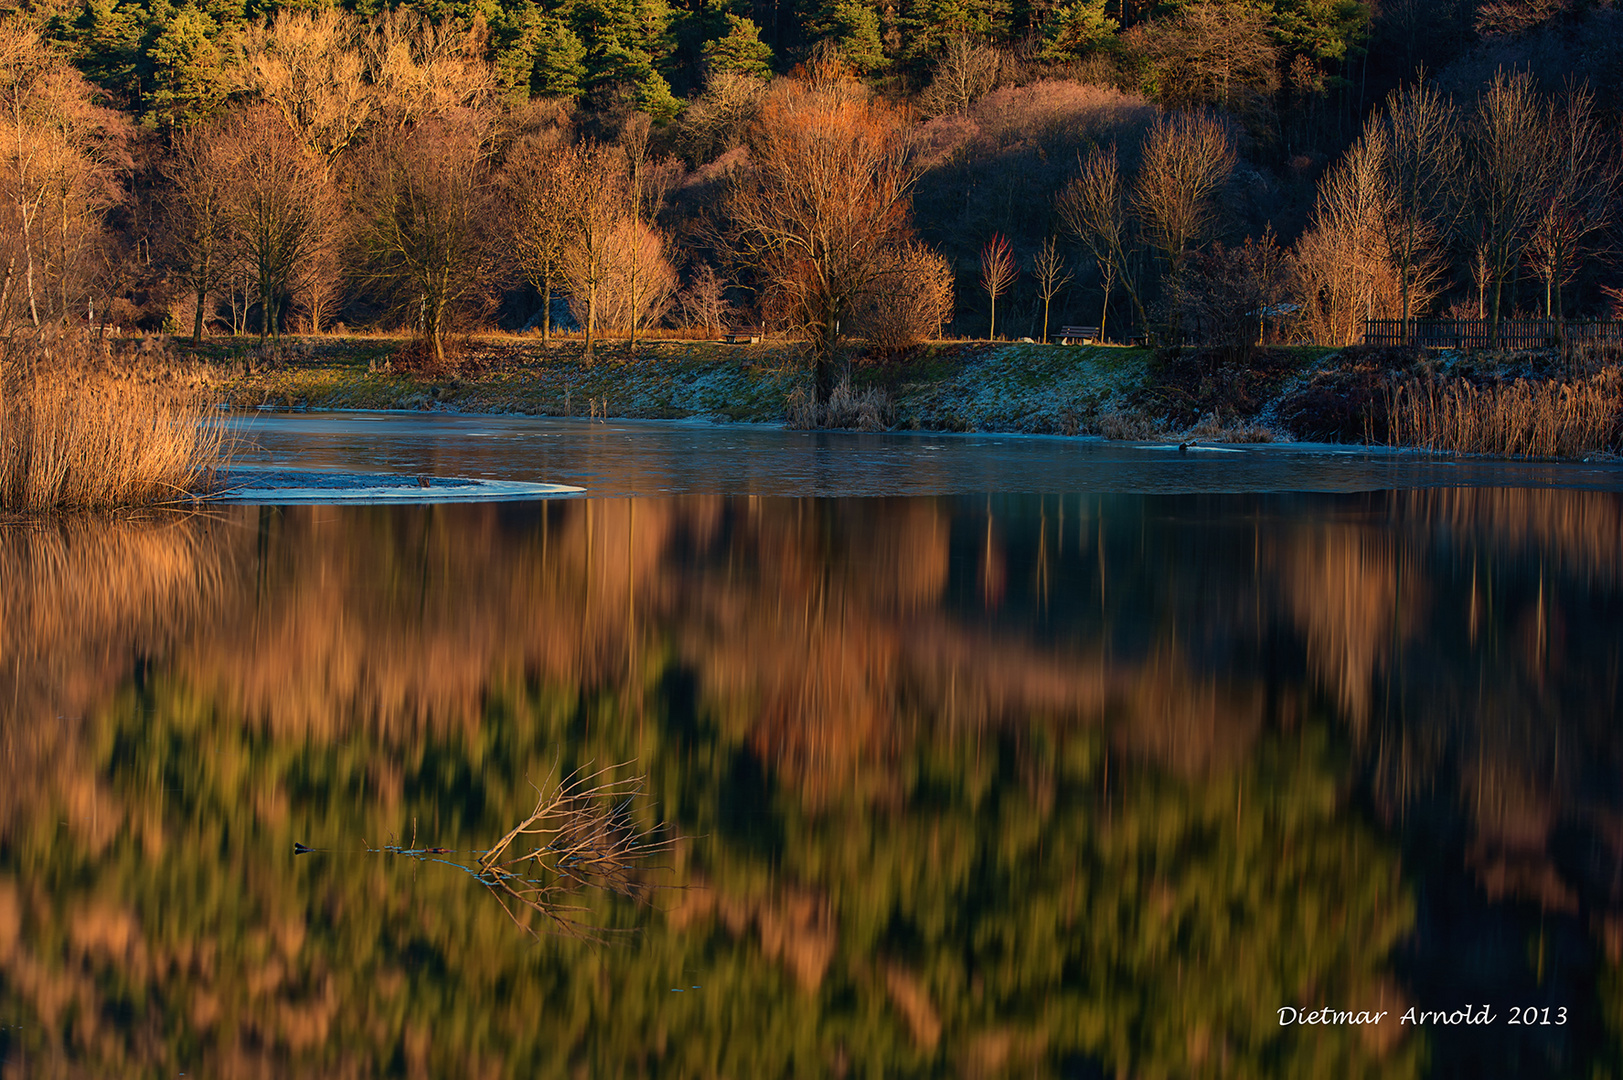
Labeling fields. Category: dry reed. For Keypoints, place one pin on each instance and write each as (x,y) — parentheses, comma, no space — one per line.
(81,428)
(1519,419)
(1120,424)
(861,410)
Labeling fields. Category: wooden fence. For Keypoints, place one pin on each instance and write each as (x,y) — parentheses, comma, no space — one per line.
(1479,333)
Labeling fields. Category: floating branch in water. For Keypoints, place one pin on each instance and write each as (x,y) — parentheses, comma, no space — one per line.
(581,834)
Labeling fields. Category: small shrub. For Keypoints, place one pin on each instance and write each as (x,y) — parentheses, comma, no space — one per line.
(907,303)
(860,410)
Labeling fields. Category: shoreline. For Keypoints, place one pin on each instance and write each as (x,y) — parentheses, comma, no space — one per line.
(1283,394)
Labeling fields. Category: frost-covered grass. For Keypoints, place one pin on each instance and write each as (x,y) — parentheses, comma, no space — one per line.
(1020,387)
(950,386)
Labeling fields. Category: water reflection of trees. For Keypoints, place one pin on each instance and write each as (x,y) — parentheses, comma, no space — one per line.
(1095,812)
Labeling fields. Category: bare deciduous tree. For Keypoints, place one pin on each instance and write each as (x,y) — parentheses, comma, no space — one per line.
(1343,270)
(1577,204)
(908,303)
(1508,175)
(1420,156)
(1093,206)
(1187,159)
(638,281)
(999,270)
(61,157)
(200,176)
(279,205)
(822,203)
(1209,53)
(648,181)
(542,180)
(965,71)
(1228,295)
(602,204)
(703,304)
(424,67)
(311,68)
(425,224)
(1052,276)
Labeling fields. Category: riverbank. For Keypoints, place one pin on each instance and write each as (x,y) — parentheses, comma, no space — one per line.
(1274,394)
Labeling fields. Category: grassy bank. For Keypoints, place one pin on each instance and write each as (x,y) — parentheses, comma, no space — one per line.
(1348,395)
(83,426)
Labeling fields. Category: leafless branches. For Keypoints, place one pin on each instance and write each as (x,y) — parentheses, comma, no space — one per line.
(1419,161)
(1093,207)
(1343,268)
(543,182)
(965,71)
(279,206)
(61,156)
(582,834)
(1578,203)
(1052,275)
(425,234)
(1187,159)
(822,201)
(1507,177)
(998,274)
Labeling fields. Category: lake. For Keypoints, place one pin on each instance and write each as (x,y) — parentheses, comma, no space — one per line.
(977,756)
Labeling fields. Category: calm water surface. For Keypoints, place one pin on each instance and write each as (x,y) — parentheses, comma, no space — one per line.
(1080,785)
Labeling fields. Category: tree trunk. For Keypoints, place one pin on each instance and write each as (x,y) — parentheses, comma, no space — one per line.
(28,255)
(546,311)
(591,320)
(1104,310)
(823,360)
(197,320)
(635,260)
(991,331)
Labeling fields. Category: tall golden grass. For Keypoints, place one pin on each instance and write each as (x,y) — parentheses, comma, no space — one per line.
(82,428)
(1519,419)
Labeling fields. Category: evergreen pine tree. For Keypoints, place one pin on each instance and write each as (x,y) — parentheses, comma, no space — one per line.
(560,68)
(741,51)
(1076,29)
(187,82)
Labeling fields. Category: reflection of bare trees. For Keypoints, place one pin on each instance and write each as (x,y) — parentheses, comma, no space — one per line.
(1346,596)
(79,597)
(1458,633)
(1446,627)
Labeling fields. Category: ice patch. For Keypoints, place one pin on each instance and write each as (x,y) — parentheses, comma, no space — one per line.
(281,486)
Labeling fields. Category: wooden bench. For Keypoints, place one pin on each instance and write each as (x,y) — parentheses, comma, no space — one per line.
(1078,335)
(742,337)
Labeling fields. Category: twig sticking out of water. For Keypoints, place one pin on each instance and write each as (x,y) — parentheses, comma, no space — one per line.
(581,834)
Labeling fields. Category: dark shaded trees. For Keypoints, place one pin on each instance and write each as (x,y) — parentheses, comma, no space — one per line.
(279,205)
(199,174)
(425,224)
(542,180)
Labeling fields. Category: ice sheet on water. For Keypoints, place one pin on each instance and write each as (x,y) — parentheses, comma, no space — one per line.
(281,486)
